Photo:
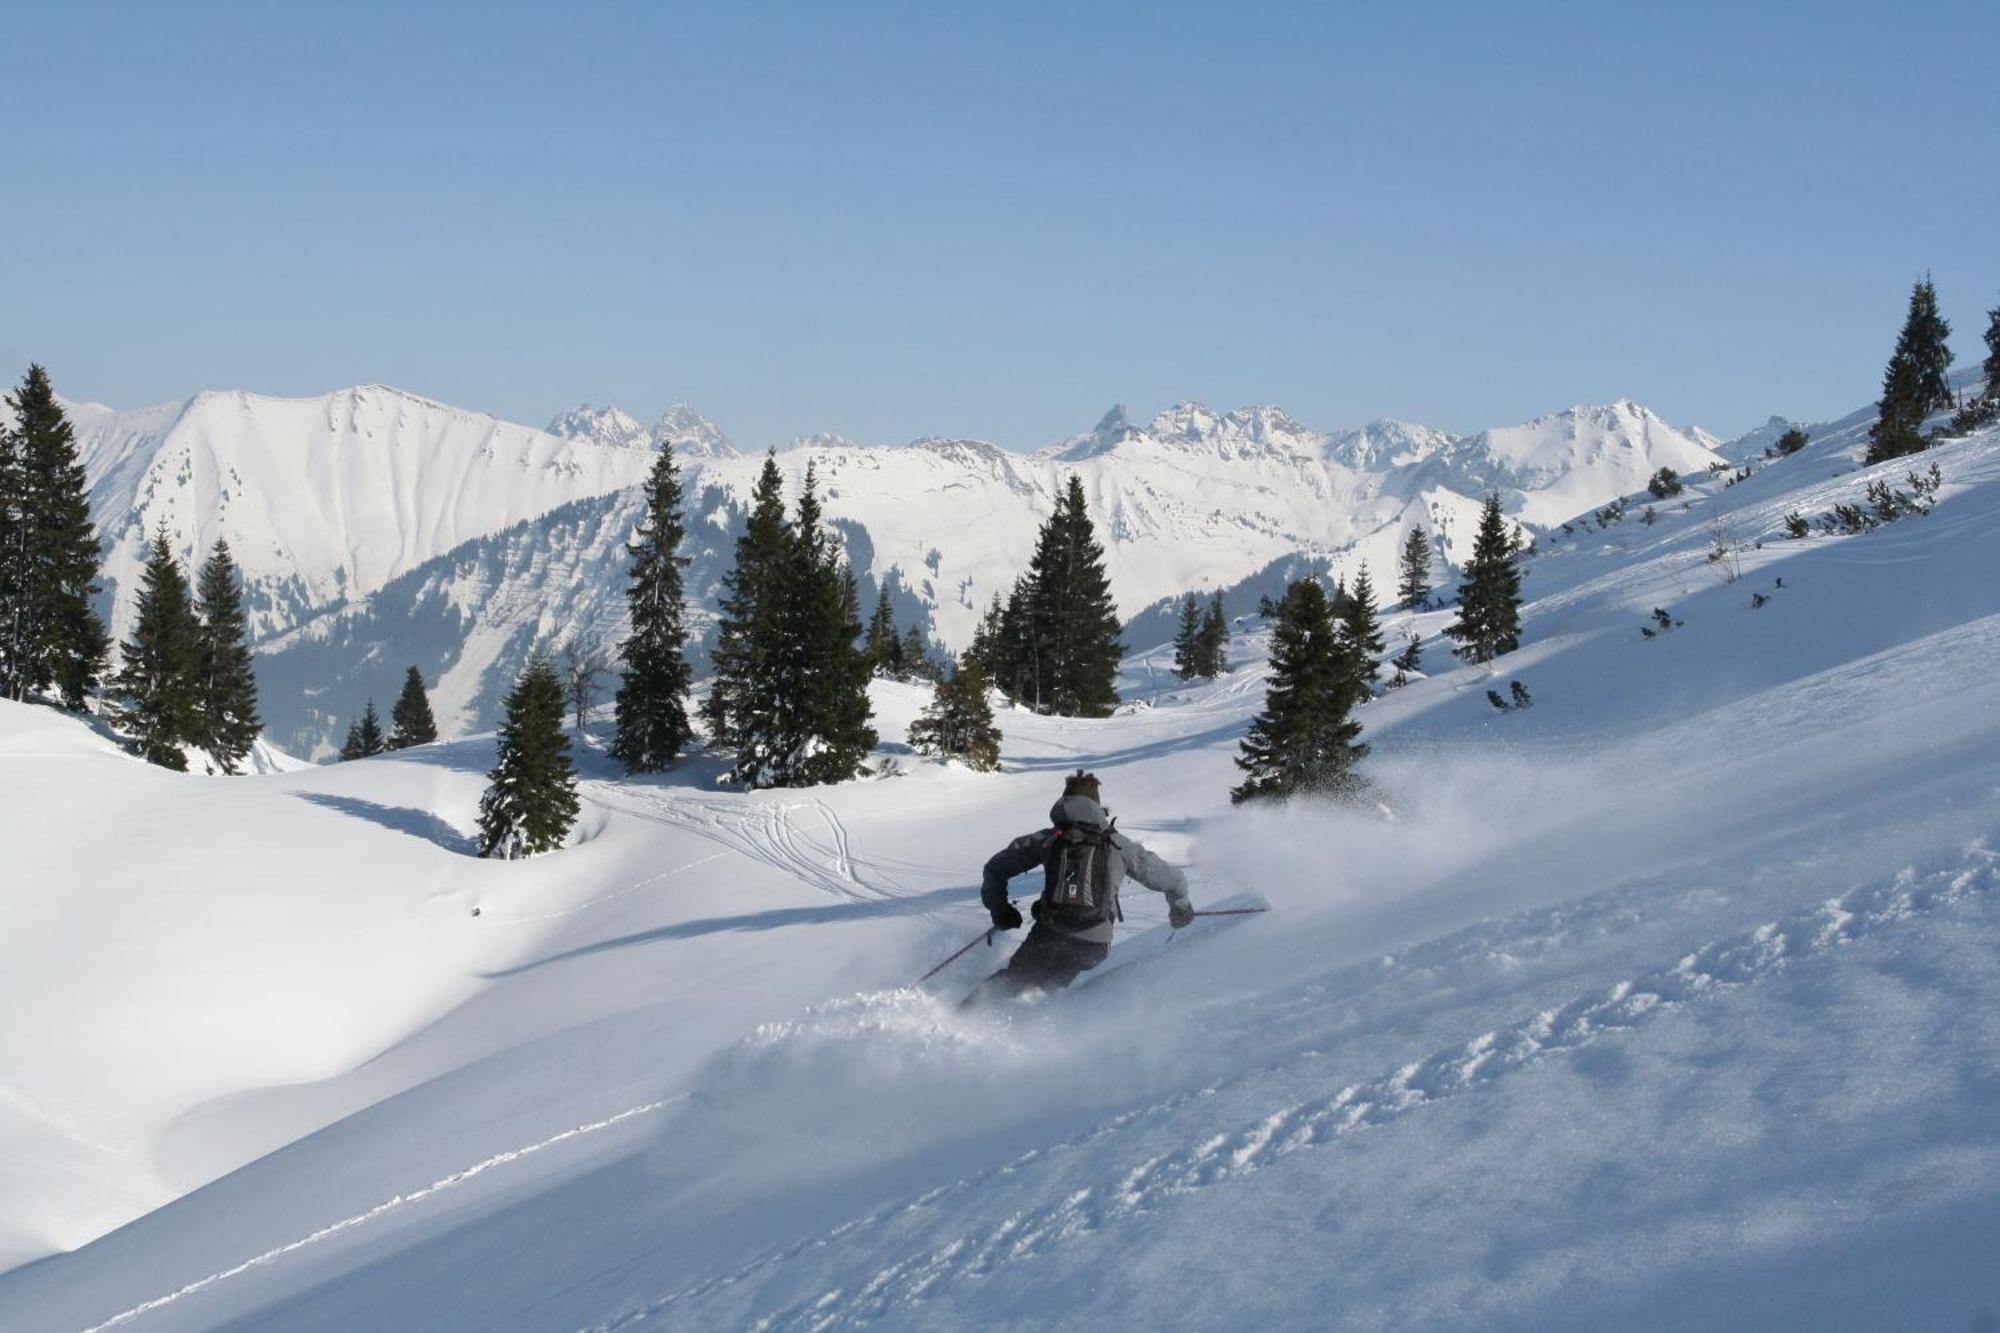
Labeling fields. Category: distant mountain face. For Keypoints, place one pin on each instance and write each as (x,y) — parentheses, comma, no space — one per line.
(377,529)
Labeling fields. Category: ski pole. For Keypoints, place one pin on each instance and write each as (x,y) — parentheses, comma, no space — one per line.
(1233,911)
(986,935)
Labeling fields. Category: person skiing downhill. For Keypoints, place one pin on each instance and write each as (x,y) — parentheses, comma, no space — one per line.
(1084,859)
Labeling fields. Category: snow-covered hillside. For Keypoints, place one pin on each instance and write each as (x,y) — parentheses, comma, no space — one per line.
(322,500)
(377,529)
(1670,1002)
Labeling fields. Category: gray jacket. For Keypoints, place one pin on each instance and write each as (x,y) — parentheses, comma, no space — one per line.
(1026,853)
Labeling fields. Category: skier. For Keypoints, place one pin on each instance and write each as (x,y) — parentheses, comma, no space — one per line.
(1083,859)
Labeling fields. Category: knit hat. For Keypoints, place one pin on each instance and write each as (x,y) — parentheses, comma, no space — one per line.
(1081,783)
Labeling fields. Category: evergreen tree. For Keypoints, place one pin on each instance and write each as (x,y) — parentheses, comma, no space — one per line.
(1072,620)
(884,649)
(1019,670)
(364,736)
(1361,630)
(1187,639)
(1984,409)
(1414,585)
(821,698)
(226,679)
(1409,660)
(651,705)
(1489,601)
(530,802)
(157,686)
(410,720)
(1917,380)
(915,652)
(985,648)
(749,632)
(1213,640)
(958,721)
(49,635)
(1303,743)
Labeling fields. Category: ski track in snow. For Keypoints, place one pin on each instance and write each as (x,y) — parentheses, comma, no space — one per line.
(1714,968)
(764,831)
(390,1205)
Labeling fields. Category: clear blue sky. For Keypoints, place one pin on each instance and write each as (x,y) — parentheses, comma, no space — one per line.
(892,220)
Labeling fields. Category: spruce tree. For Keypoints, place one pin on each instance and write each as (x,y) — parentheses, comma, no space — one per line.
(1019,666)
(915,652)
(1303,743)
(410,720)
(749,632)
(884,650)
(821,697)
(1187,639)
(651,705)
(1489,601)
(1984,409)
(367,735)
(351,747)
(1361,630)
(985,648)
(1213,639)
(530,802)
(1073,620)
(958,721)
(1916,382)
(226,679)
(157,685)
(49,634)
(1414,583)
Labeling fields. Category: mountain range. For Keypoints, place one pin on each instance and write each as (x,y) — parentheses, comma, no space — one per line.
(376,528)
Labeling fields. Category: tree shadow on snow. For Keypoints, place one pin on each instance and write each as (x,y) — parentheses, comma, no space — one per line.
(957,895)
(402,818)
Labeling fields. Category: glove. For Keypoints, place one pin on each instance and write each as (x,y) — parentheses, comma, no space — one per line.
(1180,912)
(1006,917)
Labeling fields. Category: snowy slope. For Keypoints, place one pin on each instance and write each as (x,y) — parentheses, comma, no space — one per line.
(1671,1002)
(338,506)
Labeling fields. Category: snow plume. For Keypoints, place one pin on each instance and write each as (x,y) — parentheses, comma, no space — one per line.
(871,1077)
(1451,841)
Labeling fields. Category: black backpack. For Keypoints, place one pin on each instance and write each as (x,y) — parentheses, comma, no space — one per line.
(1077,888)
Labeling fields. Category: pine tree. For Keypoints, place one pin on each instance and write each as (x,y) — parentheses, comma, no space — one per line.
(1361,630)
(821,697)
(884,649)
(1984,409)
(1414,585)
(985,648)
(1213,640)
(1917,380)
(49,634)
(1072,620)
(410,720)
(749,632)
(364,737)
(651,705)
(1187,639)
(958,721)
(1489,601)
(530,802)
(915,652)
(1409,660)
(1303,743)
(226,679)
(157,683)
(1019,667)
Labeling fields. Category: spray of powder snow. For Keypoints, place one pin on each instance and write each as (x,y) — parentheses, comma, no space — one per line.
(860,1080)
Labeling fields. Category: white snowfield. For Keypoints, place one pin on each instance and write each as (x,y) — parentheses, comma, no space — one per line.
(1670,1002)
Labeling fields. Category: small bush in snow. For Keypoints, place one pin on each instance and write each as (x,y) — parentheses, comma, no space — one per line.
(1666,482)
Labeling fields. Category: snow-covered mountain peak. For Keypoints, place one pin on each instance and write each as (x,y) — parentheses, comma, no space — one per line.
(819,439)
(693,435)
(609,426)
